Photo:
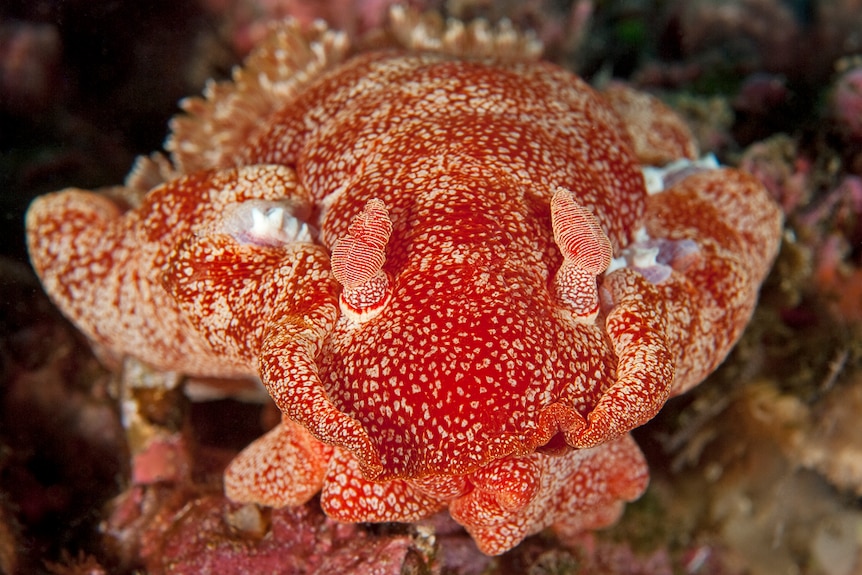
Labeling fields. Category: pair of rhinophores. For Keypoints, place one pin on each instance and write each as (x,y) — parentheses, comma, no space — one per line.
(443,261)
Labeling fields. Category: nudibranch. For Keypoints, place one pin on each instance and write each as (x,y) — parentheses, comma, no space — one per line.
(461,273)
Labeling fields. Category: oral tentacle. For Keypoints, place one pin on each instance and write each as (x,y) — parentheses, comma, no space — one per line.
(286,466)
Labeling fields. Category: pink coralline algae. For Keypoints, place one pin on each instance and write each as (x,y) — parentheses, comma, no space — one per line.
(446,260)
(29,65)
(847,103)
(210,535)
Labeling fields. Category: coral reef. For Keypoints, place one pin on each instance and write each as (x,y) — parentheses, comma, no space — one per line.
(319,230)
(756,471)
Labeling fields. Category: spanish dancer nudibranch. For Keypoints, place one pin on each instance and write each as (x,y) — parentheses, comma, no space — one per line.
(442,261)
